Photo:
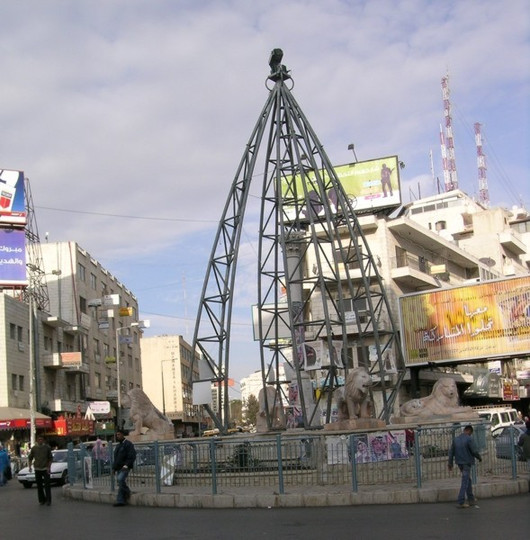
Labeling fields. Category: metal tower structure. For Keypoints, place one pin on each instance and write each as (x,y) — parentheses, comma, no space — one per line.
(318,287)
(483,193)
(450,178)
(35,266)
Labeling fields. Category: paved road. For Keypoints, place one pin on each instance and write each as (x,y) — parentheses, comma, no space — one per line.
(22,517)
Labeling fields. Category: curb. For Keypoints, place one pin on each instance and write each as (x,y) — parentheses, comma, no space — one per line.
(292,500)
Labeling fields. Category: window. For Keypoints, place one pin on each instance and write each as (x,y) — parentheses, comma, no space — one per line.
(349,257)
(97,379)
(81,272)
(14,381)
(82,304)
(21,382)
(401,257)
(12,331)
(93,281)
(19,333)
(440,225)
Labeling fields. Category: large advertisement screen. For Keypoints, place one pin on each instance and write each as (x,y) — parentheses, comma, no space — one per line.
(369,185)
(12,200)
(472,322)
(13,257)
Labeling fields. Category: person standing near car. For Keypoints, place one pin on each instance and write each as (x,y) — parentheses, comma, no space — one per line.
(41,456)
(124,458)
(463,451)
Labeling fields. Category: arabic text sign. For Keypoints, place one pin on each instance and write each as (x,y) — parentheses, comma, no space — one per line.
(473,322)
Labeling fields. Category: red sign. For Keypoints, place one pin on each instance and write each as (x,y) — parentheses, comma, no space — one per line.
(25,423)
(72,426)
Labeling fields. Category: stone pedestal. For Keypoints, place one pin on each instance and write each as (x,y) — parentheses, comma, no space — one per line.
(469,416)
(150,437)
(356,423)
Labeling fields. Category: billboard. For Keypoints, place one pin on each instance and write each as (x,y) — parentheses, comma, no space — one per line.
(369,185)
(13,257)
(12,200)
(472,322)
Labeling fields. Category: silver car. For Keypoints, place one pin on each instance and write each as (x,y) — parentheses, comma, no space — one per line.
(506,439)
(59,469)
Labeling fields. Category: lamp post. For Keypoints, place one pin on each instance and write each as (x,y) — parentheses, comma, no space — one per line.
(172,359)
(141,325)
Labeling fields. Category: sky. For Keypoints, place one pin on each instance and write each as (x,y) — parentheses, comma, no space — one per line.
(130,118)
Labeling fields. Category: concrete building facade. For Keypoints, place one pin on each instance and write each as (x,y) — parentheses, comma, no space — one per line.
(86,300)
(167,362)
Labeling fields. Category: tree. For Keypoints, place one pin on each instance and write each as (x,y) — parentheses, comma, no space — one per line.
(236,412)
(252,407)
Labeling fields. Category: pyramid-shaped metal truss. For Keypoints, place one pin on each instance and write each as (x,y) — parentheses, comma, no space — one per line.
(306,218)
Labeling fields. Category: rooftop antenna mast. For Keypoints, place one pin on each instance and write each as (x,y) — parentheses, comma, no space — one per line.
(305,215)
(483,193)
(448,143)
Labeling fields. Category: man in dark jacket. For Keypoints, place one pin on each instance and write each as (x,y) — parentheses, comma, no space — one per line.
(124,458)
(463,451)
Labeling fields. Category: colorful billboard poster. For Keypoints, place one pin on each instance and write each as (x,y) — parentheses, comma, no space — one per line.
(12,200)
(472,322)
(369,185)
(13,258)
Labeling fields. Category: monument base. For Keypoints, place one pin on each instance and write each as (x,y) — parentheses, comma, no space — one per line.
(356,423)
(150,437)
(436,418)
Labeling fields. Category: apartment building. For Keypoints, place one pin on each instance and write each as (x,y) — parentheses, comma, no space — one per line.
(93,322)
(436,243)
(167,364)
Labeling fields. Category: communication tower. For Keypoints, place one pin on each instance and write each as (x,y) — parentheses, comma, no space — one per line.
(448,143)
(483,193)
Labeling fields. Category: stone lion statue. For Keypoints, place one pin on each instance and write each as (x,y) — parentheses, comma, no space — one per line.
(275,410)
(354,398)
(145,415)
(442,401)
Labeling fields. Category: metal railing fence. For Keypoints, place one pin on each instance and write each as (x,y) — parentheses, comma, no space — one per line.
(280,461)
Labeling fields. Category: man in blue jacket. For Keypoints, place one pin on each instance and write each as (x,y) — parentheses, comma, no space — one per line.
(463,451)
(124,458)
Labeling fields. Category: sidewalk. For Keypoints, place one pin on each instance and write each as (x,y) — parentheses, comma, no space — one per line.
(314,496)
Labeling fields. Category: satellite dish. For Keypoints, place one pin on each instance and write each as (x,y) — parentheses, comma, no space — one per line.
(488,261)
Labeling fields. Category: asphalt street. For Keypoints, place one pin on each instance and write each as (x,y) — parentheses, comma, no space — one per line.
(22,517)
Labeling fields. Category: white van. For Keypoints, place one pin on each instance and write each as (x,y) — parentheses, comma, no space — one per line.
(498,417)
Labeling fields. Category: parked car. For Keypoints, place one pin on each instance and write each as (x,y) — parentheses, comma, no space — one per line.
(506,439)
(498,417)
(59,469)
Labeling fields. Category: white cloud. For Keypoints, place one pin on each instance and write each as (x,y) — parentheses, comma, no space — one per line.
(129,107)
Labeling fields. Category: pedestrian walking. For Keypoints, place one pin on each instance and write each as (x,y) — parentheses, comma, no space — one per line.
(41,456)
(463,452)
(4,465)
(124,458)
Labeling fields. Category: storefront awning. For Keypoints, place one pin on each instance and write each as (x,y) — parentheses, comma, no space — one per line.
(13,418)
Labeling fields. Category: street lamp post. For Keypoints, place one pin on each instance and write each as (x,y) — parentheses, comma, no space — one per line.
(141,325)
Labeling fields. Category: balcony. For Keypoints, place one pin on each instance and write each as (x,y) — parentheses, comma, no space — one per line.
(51,360)
(69,361)
(511,241)
(63,405)
(411,271)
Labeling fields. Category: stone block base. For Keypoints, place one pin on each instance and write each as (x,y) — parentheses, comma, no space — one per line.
(356,423)
(150,437)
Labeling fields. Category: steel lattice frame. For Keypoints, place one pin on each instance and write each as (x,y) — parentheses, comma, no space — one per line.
(305,215)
